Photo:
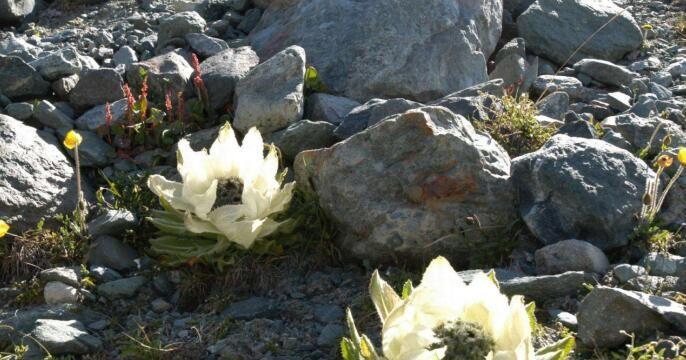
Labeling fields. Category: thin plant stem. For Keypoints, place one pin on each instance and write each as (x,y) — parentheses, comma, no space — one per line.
(79,205)
(669,186)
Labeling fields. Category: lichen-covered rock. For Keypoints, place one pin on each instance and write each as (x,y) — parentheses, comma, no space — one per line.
(222,72)
(177,26)
(19,80)
(417,50)
(575,188)
(37,181)
(168,72)
(412,186)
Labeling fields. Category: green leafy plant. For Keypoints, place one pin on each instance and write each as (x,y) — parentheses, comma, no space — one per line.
(313,83)
(513,125)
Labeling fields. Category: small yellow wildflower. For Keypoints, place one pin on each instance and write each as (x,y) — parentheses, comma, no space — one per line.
(4,228)
(647,27)
(682,156)
(72,140)
(665,161)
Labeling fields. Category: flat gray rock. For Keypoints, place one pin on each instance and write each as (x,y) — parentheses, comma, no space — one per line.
(65,337)
(123,288)
(547,287)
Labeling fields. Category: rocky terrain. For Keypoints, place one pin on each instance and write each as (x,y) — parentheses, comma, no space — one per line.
(532,137)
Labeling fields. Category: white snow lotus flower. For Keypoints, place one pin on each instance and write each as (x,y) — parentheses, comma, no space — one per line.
(232,191)
(443,298)
(443,318)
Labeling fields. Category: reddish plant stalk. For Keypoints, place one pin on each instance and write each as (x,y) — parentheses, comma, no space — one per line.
(108,121)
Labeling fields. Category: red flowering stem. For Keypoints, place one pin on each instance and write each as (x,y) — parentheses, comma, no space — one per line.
(108,122)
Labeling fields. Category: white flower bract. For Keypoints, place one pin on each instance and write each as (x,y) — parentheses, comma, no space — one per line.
(442,297)
(202,172)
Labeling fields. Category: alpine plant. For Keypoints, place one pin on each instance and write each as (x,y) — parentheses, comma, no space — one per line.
(228,197)
(444,318)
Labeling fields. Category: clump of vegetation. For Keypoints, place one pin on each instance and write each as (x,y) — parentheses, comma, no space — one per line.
(23,256)
(680,26)
(513,125)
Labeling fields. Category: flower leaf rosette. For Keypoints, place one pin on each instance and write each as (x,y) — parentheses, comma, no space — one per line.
(444,318)
(228,196)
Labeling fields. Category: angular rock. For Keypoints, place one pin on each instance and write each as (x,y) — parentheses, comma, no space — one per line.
(166,72)
(606,311)
(56,292)
(370,113)
(329,108)
(125,56)
(177,26)
(63,86)
(222,72)
(546,287)
(205,46)
(579,128)
(112,222)
(111,252)
(64,337)
(554,29)
(605,72)
(664,264)
(19,80)
(94,119)
(445,44)
(638,131)
(13,12)
(626,272)
(270,96)
(65,275)
(410,182)
(51,116)
(38,180)
(574,188)
(303,135)
(20,111)
(123,288)
(97,87)
(63,62)
(570,255)
(554,105)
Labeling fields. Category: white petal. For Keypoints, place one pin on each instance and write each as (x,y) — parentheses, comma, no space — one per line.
(202,202)
(224,153)
(243,233)
(170,191)
(227,213)
(252,151)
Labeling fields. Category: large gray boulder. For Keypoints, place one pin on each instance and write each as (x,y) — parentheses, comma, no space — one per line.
(270,96)
(570,255)
(638,131)
(37,181)
(97,87)
(605,312)
(19,80)
(63,62)
(555,29)
(221,73)
(575,188)
(14,11)
(178,25)
(168,72)
(354,44)
(413,186)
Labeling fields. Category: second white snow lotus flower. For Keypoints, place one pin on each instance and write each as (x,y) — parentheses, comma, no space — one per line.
(227,195)
(444,318)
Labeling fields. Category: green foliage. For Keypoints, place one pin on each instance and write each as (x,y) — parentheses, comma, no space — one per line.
(357,347)
(127,191)
(513,125)
(23,256)
(653,238)
(557,351)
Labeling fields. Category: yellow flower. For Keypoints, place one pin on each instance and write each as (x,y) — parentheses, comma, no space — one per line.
(682,156)
(665,161)
(72,140)
(647,27)
(4,228)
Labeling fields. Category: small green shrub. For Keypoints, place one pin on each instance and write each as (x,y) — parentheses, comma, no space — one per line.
(513,125)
